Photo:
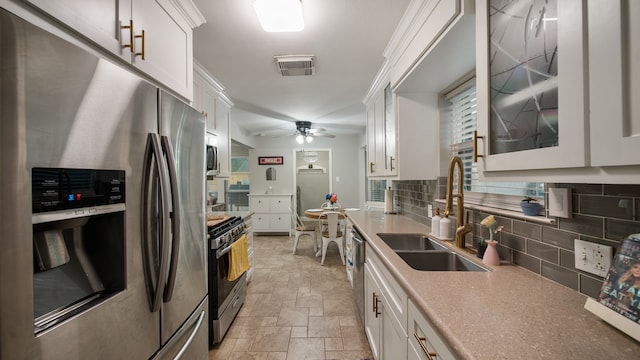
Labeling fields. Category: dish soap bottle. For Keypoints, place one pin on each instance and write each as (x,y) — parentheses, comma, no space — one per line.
(435,223)
(445,228)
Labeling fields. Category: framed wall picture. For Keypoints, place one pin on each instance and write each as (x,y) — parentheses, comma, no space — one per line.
(270,160)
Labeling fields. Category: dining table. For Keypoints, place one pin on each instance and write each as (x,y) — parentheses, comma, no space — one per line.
(316,213)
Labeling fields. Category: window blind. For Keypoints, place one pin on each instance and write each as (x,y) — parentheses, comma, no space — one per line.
(459,116)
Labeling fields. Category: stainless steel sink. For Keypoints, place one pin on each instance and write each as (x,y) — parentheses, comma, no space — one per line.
(438,261)
(410,241)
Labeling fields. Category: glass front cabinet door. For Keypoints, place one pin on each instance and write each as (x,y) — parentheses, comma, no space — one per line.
(532,100)
(614,75)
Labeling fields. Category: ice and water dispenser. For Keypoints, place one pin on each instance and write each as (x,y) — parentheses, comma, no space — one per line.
(79,234)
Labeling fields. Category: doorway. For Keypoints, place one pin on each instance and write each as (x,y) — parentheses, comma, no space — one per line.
(312,178)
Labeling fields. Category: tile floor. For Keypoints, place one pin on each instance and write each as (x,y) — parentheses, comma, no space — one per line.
(295,308)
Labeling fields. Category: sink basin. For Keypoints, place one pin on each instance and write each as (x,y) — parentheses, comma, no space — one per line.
(402,241)
(438,261)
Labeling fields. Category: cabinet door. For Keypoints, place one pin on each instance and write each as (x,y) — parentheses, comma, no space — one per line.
(531,115)
(280,204)
(372,319)
(222,114)
(260,204)
(204,100)
(98,20)
(614,72)
(371,139)
(281,222)
(261,222)
(394,340)
(167,44)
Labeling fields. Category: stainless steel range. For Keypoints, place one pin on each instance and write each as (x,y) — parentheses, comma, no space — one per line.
(226,297)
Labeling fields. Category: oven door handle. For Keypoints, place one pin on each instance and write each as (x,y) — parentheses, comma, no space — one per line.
(221,253)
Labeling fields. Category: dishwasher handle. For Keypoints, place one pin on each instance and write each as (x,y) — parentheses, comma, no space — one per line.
(356,236)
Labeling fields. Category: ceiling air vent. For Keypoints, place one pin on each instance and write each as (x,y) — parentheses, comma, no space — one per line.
(294,65)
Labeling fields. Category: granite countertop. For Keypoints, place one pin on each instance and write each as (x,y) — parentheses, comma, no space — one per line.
(506,313)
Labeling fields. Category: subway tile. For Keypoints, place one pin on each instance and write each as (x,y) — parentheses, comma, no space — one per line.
(583,224)
(590,286)
(531,231)
(595,189)
(527,261)
(567,259)
(619,229)
(543,251)
(607,206)
(563,239)
(513,241)
(622,190)
(560,275)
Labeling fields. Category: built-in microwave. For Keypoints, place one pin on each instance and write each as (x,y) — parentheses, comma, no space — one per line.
(212,156)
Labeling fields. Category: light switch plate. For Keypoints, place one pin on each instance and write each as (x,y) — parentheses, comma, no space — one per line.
(560,202)
(592,258)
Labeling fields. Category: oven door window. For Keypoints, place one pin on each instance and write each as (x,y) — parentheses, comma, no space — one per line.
(224,286)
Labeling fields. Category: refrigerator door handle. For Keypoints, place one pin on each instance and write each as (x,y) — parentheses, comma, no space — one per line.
(175,224)
(153,156)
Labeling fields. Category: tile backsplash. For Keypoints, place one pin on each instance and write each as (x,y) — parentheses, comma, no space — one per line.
(602,213)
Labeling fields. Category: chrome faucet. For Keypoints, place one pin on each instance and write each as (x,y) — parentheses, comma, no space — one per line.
(462,227)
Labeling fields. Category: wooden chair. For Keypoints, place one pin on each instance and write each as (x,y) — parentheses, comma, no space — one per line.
(332,233)
(303,229)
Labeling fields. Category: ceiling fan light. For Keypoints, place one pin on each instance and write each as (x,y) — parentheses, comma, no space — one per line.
(300,139)
(309,138)
(280,15)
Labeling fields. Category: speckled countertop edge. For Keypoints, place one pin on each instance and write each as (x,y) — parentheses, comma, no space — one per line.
(506,313)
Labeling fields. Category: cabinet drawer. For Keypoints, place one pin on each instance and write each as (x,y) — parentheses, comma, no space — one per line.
(281,222)
(261,222)
(260,204)
(422,337)
(280,204)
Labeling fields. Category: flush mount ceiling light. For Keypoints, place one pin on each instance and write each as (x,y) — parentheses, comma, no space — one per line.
(280,15)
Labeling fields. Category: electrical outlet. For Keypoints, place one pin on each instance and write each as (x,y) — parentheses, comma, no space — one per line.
(429,210)
(592,258)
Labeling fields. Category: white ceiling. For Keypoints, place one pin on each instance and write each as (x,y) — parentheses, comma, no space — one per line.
(347,38)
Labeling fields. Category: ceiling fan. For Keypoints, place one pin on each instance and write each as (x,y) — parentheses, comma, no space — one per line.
(306,132)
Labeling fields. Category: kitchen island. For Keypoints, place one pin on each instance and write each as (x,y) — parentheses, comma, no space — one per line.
(505,313)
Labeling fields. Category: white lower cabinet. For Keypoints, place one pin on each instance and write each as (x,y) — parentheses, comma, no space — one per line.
(271,212)
(423,342)
(385,311)
(249,223)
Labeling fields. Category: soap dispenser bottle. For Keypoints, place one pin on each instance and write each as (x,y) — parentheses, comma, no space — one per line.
(435,223)
(445,228)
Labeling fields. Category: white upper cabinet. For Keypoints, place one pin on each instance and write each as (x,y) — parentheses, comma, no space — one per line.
(209,98)
(614,75)
(154,36)
(531,85)
(380,134)
(222,120)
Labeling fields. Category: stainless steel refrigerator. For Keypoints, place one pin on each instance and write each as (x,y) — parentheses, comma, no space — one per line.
(102,215)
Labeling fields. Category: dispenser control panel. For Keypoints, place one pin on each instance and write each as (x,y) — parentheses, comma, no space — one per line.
(55,189)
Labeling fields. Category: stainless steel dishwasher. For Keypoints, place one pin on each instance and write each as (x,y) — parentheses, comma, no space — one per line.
(358,270)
